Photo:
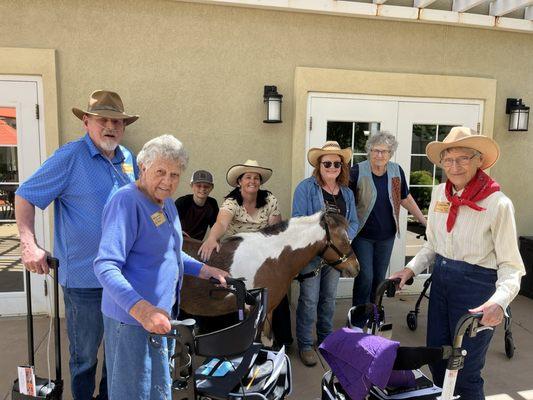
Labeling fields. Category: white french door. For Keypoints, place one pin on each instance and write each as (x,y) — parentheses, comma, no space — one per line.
(350,119)
(21,138)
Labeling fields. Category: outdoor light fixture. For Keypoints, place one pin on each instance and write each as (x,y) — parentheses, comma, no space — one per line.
(518,115)
(272,100)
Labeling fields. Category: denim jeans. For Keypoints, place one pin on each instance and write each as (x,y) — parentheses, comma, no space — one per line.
(317,295)
(137,364)
(85,332)
(456,287)
(374,257)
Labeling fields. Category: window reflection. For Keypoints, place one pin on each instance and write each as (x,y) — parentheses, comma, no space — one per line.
(353,134)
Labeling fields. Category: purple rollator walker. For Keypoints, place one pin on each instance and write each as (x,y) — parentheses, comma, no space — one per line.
(407,358)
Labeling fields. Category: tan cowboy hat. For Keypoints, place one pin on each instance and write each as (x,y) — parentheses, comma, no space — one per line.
(461,136)
(105,104)
(331,147)
(249,166)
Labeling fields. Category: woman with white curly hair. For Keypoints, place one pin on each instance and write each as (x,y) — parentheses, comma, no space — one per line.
(140,265)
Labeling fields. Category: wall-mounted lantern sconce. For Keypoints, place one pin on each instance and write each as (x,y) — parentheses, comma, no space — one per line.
(272,100)
(518,115)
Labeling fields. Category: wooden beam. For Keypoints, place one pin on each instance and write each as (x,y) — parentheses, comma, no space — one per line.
(397,12)
(379,1)
(464,5)
(422,3)
(514,24)
(499,8)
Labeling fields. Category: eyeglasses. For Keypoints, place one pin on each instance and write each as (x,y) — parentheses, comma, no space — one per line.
(328,164)
(380,152)
(462,161)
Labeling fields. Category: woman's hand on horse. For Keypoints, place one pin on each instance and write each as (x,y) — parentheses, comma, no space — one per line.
(404,275)
(153,319)
(208,271)
(207,248)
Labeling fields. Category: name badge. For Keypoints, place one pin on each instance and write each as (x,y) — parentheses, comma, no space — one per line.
(442,207)
(127,168)
(158,218)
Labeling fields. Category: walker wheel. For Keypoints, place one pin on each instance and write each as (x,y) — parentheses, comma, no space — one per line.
(412,320)
(509,345)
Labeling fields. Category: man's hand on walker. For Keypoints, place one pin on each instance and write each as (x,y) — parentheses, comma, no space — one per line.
(492,313)
(405,274)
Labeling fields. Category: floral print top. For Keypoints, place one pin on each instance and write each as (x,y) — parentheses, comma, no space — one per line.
(244,222)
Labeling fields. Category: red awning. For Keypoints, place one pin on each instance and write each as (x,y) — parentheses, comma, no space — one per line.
(8,135)
(8,112)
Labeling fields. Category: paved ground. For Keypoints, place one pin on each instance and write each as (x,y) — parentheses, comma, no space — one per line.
(505,379)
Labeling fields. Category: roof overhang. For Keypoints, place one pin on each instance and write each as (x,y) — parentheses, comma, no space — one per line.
(419,11)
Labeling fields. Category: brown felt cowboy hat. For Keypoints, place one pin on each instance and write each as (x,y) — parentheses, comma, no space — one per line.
(461,136)
(248,166)
(331,147)
(105,104)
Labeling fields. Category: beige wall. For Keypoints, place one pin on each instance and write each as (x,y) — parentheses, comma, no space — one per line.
(198,71)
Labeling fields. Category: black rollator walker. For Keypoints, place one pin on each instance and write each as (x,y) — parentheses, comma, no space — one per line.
(412,320)
(235,366)
(408,358)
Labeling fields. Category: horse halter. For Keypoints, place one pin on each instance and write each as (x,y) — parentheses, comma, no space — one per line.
(329,245)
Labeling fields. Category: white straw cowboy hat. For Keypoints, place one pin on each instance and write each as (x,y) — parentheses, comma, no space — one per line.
(331,147)
(105,104)
(248,166)
(461,136)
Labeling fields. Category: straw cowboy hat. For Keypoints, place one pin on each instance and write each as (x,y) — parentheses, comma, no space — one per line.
(105,104)
(461,136)
(331,147)
(249,166)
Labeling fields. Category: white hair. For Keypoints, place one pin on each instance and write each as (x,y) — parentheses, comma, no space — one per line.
(381,138)
(166,147)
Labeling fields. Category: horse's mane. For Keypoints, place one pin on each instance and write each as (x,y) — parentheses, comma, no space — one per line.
(272,230)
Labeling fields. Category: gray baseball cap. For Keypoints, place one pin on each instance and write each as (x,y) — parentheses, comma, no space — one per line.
(202,176)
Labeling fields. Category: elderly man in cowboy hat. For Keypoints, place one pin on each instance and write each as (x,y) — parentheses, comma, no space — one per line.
(79,177)
(472,242)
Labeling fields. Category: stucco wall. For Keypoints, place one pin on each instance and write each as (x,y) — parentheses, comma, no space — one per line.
(198,71)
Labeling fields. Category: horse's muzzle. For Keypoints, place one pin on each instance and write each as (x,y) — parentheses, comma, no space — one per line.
(350,268)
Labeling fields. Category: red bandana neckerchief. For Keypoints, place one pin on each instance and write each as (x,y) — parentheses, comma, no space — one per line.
(480,186)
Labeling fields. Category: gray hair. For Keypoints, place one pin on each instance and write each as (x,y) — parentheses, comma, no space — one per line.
(381,138)
(469,149)
(166,147)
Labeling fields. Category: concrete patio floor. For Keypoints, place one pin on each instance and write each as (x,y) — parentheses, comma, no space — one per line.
(505,378)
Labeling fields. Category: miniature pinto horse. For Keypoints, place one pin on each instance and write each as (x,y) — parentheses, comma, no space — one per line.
(271,257)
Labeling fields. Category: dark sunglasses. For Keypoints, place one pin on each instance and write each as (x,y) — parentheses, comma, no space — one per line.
(328,164)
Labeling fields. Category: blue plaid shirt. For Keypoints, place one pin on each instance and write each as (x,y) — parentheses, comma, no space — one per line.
(80,180)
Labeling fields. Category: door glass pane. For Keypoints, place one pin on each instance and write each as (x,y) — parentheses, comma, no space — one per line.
(422,135)
(11,269)
(352,134)
(341,132)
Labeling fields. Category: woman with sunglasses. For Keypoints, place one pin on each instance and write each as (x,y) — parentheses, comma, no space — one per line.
(380,189)
(327,189)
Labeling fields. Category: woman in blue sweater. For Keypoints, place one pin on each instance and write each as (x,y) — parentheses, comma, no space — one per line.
(140,265)
(327,190)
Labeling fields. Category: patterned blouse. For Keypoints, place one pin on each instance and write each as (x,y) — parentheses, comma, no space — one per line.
(244,222)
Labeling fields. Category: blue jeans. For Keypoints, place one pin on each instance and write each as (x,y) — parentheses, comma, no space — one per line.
(85,332)
(317,295)
(137,364)
(374,257)
(456,287)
